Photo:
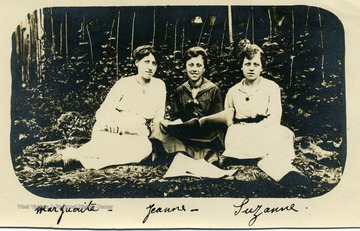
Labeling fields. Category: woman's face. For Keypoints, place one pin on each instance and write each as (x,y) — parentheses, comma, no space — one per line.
(195,68)
(146,66)
(252,68)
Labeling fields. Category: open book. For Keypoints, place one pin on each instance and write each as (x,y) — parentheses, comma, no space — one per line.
(186,166)
(176,122)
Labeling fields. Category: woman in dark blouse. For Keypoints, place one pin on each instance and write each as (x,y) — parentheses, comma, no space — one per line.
(195,98)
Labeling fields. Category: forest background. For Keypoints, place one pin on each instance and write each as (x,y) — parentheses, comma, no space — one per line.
(65,60)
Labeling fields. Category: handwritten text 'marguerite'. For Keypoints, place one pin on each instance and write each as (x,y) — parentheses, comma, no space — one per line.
(90,207)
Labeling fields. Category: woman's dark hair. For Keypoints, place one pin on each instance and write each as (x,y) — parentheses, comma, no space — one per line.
(195,52)
(142,51)
(248,50)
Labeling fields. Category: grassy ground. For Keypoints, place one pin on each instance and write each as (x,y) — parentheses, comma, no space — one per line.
(146,180)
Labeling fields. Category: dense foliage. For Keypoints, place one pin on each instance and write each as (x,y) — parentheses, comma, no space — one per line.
(59,110)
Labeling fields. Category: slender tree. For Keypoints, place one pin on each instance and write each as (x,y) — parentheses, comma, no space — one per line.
(90,43)
(29,46)
(270,25)
(247,26)
(201,31)
(292,55)
(61,42)
(117,45)
(223,38)
(154,27)
(307,20)
(211,23)
(66,36)
(82,32)
(166,30)
(111,30)
(22,53)
(133,32)
(253,24)
(52,33)
(37,45)
(231,36)
(175,34)
(111,37)
(183,37)
(322,48)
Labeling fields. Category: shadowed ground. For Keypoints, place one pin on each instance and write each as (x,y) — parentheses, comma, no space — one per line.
(144,181)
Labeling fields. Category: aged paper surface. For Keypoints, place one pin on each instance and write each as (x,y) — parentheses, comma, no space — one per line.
(337,208)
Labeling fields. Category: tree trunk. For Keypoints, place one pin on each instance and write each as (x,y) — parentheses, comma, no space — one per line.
(175,34)
(154,28)
(183,37)
(61,36)
(247,26)
(117,45)
(231,38)
(322,49)
(52,33)
(133,32)
(166,31)
(292,55)
(90,43)
(252,25)
(201,31)
(111,30)
(223,38)
(270,25)
(307,20)
(66,36)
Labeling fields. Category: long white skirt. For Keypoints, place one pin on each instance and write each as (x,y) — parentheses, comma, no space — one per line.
(105,148)
(273,144)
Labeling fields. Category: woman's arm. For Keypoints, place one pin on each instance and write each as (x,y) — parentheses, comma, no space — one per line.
(274,105)
(108,109)
(217,102)
(176,105)
(229,100)
(161,101)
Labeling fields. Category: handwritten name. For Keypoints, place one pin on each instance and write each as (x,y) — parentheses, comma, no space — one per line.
(152,210)
(259,210)
(91,207)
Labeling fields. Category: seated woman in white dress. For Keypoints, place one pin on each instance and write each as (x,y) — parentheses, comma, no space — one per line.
(253,114)
(123,121)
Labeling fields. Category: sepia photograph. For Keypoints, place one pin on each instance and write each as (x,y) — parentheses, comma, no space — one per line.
(163,110)
(227,98)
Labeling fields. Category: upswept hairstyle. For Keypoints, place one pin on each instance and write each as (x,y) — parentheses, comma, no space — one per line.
(248,50)
(142,51)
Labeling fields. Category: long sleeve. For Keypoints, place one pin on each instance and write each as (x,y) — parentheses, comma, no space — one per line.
(274,106)
(108,108)
(174,109)
(177,106)
(229,100)
(160,107)
(217,102)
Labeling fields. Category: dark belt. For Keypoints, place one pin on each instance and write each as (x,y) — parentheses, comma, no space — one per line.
(256,119)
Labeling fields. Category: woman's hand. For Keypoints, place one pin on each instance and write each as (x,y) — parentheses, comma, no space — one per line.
(165,123)
(224,117)
(113,127)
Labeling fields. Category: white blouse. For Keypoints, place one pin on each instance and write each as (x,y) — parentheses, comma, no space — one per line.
(264,100)
(136,100)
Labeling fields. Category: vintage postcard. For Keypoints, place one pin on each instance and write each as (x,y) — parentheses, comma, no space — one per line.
(174,115)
